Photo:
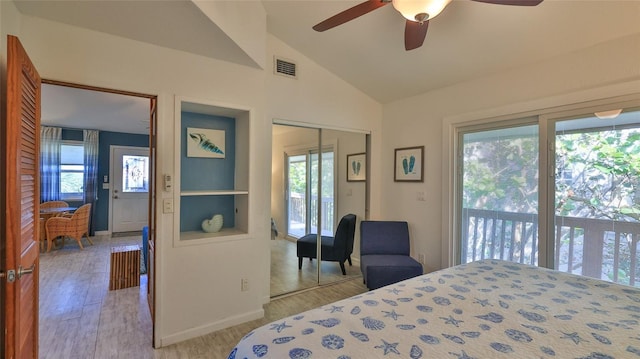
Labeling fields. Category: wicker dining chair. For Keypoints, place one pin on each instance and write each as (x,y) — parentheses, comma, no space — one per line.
(53,204)
(74,227)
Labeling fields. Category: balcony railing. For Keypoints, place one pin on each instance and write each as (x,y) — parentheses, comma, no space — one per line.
(297,213)
(596,248)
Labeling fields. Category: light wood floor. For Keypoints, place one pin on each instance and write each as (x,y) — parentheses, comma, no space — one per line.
(81,318)
(286,278)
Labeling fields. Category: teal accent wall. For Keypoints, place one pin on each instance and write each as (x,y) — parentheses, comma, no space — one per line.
(106,140)
(207,174)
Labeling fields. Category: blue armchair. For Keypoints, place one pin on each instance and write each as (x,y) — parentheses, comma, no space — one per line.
(384,253)
(336,249)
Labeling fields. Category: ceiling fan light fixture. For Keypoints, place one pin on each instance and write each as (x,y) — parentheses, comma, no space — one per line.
(415,10)
(606,115)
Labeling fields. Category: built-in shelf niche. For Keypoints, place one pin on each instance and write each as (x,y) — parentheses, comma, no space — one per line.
(209,186)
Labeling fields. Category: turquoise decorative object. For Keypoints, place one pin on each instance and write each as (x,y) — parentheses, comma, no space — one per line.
(214,224)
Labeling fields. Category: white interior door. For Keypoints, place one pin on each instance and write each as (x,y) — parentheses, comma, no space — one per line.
(130,190)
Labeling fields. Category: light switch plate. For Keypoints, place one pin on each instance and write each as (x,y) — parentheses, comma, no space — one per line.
(167,205)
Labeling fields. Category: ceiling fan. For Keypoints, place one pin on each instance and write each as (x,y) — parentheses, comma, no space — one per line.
(417,12)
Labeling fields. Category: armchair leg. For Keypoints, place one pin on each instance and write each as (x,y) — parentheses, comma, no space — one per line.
(349,259)
(344,271)
(299,263)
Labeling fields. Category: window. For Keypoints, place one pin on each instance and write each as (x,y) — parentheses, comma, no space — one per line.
(71,171)
(570,205)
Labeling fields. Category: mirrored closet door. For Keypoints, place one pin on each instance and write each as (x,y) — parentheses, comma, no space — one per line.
(318,177)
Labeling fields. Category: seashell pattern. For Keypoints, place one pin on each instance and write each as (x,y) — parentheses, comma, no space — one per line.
(283,340)
(360,336)
(502,348)
(405,326)
(260,350)
(415,352)
(373,324)
(205,143)
(333,342)
(465,312)
(327,323)
(429,339)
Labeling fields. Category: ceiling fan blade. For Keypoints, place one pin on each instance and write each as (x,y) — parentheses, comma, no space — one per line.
(350,14)
(414,34)
(512,2)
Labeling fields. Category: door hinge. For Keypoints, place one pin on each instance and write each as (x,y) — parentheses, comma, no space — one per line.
(11,275)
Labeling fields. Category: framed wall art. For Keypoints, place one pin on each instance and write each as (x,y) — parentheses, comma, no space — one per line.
(357,167)
(204,142)
(409,164)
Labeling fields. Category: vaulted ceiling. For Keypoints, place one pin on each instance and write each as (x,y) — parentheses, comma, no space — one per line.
(466,41)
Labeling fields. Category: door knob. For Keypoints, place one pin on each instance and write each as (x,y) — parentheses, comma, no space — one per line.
(22,271)
(115,197)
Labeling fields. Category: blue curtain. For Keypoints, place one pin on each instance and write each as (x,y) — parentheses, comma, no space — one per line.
(50,143)
(90,140)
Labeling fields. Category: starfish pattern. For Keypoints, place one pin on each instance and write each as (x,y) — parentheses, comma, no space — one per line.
(392,314)
(463,355)
(597,311)
(388,347)
(452,320)
(395,291)
(335,308)
(540,307)
(573,336)
(483,302)
(279,327)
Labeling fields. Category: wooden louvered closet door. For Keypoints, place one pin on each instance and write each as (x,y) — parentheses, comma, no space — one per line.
(20,204)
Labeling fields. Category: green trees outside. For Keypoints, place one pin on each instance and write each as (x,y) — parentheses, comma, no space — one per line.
(597,176)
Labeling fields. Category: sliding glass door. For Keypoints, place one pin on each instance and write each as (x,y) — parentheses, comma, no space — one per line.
(302,193)
(572,205)
(597,197)
(500,194)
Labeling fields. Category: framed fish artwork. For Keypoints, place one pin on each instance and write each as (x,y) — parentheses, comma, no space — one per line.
(204,142)
(357,167)
(409,164)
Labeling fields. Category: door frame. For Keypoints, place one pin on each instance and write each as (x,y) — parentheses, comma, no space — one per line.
(112,149)
(153,108)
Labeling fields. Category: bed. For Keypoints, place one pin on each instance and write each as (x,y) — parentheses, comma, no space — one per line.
(484,309)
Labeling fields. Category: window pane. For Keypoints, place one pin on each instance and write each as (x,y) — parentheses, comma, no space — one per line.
(297,179)
(71,171)
(71,182)
(72,154)
(500,195)
(135,171)
(72,168)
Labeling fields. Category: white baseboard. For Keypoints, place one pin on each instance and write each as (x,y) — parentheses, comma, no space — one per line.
(210,328)
(103,233)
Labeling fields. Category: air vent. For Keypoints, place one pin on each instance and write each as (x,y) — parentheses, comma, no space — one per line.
(285,68)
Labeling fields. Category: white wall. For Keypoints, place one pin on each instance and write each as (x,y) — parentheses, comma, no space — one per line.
(318,97)
(419,121)
(198,287)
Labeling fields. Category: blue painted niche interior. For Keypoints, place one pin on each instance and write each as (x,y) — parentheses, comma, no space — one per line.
(205,174)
